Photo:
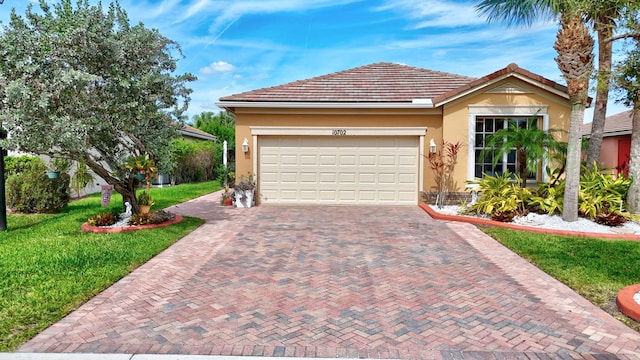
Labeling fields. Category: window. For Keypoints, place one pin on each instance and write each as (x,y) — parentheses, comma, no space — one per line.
(487,126)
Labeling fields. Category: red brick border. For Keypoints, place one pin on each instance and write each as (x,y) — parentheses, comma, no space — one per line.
(478,221)
(626,304)
(99,229)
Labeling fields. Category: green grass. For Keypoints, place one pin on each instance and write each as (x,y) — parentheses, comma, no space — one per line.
(48,267)
(596,269)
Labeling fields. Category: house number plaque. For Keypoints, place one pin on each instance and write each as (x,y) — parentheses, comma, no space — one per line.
(339,132)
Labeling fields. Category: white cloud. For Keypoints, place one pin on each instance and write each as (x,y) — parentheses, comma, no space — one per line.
(436,13)
(217,66)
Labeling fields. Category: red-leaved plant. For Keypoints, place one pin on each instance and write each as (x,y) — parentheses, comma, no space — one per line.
(442,163)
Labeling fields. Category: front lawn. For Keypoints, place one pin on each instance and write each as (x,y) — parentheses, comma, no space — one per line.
(48,267)
(596,269)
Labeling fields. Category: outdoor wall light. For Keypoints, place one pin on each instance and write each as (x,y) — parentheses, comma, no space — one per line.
(245,146)
(432,146)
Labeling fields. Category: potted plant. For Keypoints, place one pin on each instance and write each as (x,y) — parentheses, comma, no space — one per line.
(143,168)
(244,191)
(145,201)
(56,167)
(226,198)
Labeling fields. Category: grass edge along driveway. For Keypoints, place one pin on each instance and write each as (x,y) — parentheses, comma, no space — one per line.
(594,268)
(48,267)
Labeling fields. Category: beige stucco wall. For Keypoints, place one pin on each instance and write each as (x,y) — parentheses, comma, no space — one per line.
(454,127)
(456,120)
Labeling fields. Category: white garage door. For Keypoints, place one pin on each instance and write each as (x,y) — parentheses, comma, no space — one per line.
(338,170)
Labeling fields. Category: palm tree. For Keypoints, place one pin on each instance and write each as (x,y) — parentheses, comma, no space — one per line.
(628,80)
(574,46)
(529,143)
(603,14)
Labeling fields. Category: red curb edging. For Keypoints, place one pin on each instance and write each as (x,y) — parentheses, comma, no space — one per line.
(478,221)
(99,229)
(626,304)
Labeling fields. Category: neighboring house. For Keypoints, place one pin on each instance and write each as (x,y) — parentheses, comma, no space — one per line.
(615,152)
(188,133)
(360,136)
(192,134)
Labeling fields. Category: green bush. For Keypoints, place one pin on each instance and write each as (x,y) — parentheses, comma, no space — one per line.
(501,197)
(17,164)
(602,194)
(31,191)
(195,160)
(548,199)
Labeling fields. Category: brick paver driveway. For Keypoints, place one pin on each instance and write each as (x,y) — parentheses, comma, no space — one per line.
(379,282)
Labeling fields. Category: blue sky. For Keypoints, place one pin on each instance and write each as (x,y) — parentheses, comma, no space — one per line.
(239,45)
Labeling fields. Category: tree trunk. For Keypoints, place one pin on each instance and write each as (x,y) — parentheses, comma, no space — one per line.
(633,196)
(572,186)
(574,46)
(605,49)
(522,165)
(126,187)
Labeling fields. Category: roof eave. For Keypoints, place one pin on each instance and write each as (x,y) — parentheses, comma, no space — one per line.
(415,104)
(194,135)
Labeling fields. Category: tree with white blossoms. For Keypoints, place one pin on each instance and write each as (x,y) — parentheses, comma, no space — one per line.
(79,82)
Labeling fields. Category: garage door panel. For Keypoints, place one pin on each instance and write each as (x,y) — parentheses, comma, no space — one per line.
(338,170)
(389,179)
(308,177)
(367,195)
(310,160)
(309,195)
(367,178)
(347,195)
(347,178)
(328,178)
(330,160)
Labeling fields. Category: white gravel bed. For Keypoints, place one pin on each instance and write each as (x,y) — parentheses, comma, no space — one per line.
(556,222)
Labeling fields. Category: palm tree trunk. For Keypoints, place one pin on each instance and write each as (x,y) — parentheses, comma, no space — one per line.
(605,48)
(633,196)
(574,46)
(572,185)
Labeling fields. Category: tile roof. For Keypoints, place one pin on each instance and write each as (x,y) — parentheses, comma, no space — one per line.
(386,83)
(379,82)
(188,130)
(510,69)
(613,124)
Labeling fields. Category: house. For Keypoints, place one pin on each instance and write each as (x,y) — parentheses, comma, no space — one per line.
(615,151)
(360,136)
(190,133)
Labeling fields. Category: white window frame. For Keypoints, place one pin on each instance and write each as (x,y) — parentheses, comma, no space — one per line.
(501,111)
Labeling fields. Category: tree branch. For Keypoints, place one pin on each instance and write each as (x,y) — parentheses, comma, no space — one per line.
(635,36)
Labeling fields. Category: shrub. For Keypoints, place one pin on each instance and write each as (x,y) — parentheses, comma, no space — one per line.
(548,199)
(140,219)
(31,191)
(501,197)
(14,165)
(601,194)
(195,160)
(157,217)
(443,163)
(103,219)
